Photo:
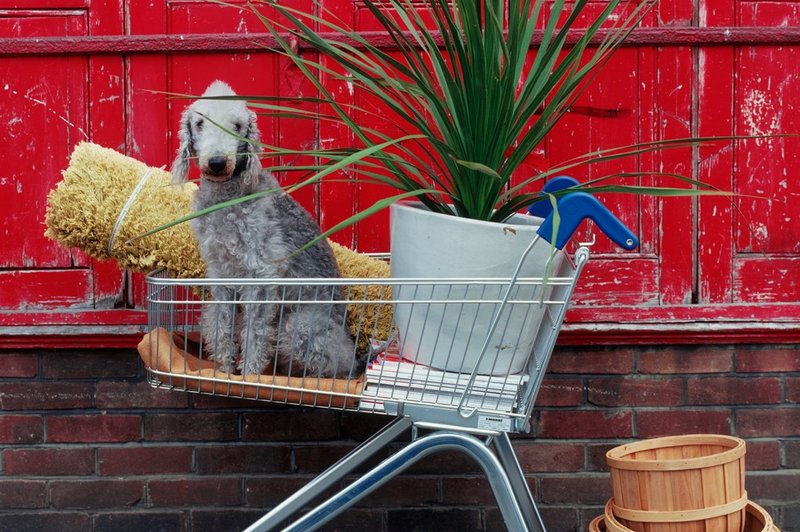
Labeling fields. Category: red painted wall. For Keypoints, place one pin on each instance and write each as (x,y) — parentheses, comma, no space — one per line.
(77,69)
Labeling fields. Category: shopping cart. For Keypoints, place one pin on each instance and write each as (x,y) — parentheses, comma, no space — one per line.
(457,409)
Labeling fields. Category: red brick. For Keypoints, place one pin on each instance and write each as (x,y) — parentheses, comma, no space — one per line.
(555,518)
(792,387)
(560,392)
(635,391)
(21,429)
(654,423)
(91,494)
(207,426)
(440,464)
(763,455)
(768,422)
(48,462)
(792,453)
(597,456)
(23,494)
(266,492)
(124,394)
(419,519)
(93,428)
(777,486)
(764,360)
(291,425)
(790,516)
(89,365)
(686,360)
(313,458)
(40,521)
(139,522)
(36,395)
(19,365)
(465,491)
(404,491)
(576,489)
(590,361)
(539,457)
(614,423)
(243,459)
(196,492)
(117,461)
(359,426)
(733,391)
(221,402)
(229,520)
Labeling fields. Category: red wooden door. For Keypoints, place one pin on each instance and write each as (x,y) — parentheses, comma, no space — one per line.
(751,248)
(102,69)
(45,110)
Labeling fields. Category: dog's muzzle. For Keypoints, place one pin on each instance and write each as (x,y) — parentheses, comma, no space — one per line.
(217,169)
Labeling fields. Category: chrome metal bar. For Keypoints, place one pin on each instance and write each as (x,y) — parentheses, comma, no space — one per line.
(392,466)
(274,519)
(505,453)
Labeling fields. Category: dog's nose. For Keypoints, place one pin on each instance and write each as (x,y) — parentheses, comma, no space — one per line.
(217,164)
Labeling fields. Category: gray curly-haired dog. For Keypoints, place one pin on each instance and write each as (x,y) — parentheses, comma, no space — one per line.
(258,238)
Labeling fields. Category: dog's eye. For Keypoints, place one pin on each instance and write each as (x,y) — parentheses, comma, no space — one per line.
(199,125)
(237,127)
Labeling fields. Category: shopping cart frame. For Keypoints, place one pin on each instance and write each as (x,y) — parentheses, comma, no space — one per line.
(447,426)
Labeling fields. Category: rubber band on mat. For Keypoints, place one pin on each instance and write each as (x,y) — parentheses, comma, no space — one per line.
(125,208)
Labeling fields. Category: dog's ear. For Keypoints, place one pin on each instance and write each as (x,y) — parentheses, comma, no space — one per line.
(253,145)
(180,166)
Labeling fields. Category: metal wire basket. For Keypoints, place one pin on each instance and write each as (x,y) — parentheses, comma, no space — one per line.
(176,354)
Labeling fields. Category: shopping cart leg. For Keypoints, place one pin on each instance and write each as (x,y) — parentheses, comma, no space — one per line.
(409,455)
(505,453)
(274,519)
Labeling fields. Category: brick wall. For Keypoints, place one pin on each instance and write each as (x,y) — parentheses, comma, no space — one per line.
(87,444)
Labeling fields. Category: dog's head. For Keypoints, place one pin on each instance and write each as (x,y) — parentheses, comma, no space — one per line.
(221,134)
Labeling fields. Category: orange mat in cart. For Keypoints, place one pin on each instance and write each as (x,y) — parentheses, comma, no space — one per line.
(183,369)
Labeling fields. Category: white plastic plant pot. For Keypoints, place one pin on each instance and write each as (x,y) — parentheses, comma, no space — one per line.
(450,335)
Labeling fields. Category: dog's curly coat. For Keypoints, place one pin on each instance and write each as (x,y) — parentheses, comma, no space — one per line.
(258,239)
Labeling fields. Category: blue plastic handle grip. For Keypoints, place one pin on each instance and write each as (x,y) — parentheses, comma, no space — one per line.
(543,208)
(575,207)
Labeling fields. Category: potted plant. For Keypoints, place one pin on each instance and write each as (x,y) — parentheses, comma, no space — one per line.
(473,97)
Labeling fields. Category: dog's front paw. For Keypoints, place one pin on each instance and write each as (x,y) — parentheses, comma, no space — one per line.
(222,351)
(252,365)
(225,364)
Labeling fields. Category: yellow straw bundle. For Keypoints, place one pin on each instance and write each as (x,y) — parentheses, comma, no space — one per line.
(85,207)
(107,200)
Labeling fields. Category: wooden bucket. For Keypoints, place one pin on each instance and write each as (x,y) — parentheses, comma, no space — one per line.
(756,520)
(598,524)
(692,483)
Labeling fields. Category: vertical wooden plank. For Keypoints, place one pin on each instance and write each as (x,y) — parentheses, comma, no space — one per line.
(105,119)
(297,133)
(766,103)
(715,86)
(145,78)
(671,110)
(146,85)
(338,200)
(44,102)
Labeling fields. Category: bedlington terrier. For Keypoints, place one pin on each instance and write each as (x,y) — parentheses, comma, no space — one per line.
(258,238)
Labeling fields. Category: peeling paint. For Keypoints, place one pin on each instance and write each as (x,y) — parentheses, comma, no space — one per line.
(755,107)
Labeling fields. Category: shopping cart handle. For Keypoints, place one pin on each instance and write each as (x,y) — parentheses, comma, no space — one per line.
(543,208)
(575,207)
